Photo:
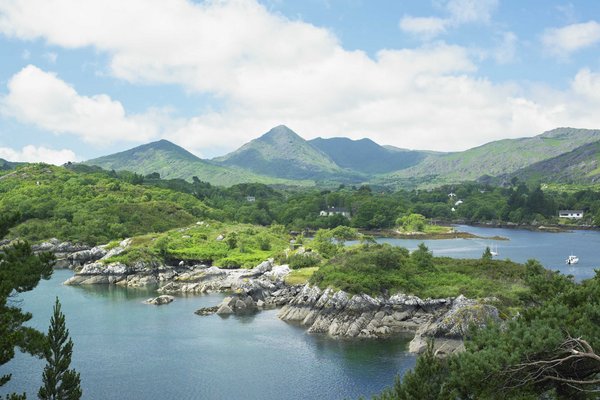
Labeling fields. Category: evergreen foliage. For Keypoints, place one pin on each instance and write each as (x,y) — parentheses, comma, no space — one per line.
(20,271)
(487,254)
(547,352)
(424,382)
(59,382)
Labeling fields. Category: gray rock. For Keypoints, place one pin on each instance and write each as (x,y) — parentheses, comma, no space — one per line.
(85,256)
(224,309)
(160,300)
(206,311)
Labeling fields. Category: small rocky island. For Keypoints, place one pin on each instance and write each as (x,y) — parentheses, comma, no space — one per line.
(332,312)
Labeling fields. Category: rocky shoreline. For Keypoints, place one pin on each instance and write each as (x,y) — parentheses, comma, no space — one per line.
(335,313)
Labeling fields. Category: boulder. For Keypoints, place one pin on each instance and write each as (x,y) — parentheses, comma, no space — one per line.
(160,300)
(85,256)
(224,309)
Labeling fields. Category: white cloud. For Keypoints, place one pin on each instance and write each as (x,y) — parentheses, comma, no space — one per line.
(42,99)
(568,39)
(467,11)
(427,27)
(269,70)
(458,12)
(32,153)
(587,84)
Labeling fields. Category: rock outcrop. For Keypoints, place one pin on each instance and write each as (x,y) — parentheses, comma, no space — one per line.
(340,315)
(61,251)
(331,312)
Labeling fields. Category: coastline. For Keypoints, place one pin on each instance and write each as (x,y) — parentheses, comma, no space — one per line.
(335,313)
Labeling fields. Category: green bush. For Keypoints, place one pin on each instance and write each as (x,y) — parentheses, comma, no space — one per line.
(304,260)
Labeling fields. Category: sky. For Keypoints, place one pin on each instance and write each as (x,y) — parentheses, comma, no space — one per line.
(81,79)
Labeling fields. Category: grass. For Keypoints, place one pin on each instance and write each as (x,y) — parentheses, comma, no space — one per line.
(300,276)
(241,245)
(429,229)
(383,269)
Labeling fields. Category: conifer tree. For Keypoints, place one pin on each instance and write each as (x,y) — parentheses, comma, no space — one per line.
(59,382)
(20,271)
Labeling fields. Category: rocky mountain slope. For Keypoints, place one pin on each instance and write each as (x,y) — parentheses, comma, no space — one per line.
(581,165)
(496,158)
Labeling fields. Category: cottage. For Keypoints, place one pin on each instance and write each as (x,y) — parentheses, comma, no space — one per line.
(250,199)
(335,211)
(571,214)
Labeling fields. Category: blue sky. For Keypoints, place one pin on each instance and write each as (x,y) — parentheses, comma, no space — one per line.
(83,79)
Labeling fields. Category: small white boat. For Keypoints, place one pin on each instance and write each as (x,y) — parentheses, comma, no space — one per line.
(572,260)
(494,252)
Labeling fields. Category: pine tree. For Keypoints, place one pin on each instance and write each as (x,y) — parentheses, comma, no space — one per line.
(59,382)
(20,271)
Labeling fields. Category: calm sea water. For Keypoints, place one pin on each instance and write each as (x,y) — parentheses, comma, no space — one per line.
(125,349)
(550,249)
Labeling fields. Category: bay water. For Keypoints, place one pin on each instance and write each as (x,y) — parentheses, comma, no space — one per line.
(125,349)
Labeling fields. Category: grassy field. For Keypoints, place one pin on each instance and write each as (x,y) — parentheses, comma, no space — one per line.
(223,244)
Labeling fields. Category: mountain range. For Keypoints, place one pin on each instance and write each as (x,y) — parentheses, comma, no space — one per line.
(282,157)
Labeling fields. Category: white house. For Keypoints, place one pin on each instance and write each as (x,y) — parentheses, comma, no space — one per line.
(250,199)
(334,211)
(572,214)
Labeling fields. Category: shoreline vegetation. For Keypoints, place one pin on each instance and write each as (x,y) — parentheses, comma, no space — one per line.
(250,240)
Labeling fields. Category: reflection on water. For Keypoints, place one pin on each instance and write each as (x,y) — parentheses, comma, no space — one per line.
(117,293)
(127,349)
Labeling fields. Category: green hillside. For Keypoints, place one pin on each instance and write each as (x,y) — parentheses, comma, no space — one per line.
(90,207)
(174,162)
(495,158)
(580,166)
(282,153)
(7,165)
(366,156)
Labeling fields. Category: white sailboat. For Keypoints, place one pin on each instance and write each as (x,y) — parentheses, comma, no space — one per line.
(572,259)
(494,251)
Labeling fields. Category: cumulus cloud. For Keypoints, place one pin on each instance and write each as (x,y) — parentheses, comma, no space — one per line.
(269,70)
(568,39)
(41,98)
(32,153)
(587,84)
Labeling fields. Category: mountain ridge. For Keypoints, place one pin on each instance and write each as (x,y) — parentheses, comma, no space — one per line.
(281,156)
(366,156)
(174,162)
(495,158)
(281,152)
